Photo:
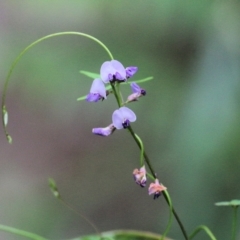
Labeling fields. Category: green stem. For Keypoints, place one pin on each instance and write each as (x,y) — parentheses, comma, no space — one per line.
(144,153)
(154,175)
(82,216)
(4,110)
(170,216)
(115,94)
(176,217)
(142,149)
(205,229)
(21,233)
(147,160)
(234,223)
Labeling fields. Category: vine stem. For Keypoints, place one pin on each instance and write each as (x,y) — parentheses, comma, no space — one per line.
(205,229)
(139,143)
(164,192)
(21,233)
(119,101)
(4,109)
(170,216)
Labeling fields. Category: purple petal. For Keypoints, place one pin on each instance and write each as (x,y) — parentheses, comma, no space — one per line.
(126,123)
(130,71)
(98,87)
(104,131)
(119,70)
(137,92)
(93,97)
(127,113)
(105,71)
(117,119)
(135,88)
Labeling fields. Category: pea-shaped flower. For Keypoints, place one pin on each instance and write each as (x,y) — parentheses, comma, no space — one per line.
(104,131)
(137,92)
(140,176)
(122,117)
(97,91)
(113,71)
(156,189)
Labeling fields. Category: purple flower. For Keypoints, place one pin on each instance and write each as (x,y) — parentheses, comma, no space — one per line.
(137,89)
(130,71)
(112,71)
(137,92)
(97,91)
(104,131)
(122,117)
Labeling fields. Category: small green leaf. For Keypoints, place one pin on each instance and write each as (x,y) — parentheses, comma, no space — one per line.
(222,204)
(232,203)
(90,74)
(235,203)
(141,80)
(5,118)
(82,98)
(9,138)
(5,115)
(53,187)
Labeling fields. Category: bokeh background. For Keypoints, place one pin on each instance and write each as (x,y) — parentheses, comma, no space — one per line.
(189,120)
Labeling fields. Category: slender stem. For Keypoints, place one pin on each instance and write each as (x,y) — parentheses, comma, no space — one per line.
(115,94)
(170,216)
(81,215)
(4,110)
(136,138)
(177,218)
(54,189)
(21,233)
(144,154)
(205,229)
(164,193)
(142,149)
(234,222)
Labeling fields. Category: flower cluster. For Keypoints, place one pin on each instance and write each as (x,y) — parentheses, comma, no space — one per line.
(114,72)
(141,179)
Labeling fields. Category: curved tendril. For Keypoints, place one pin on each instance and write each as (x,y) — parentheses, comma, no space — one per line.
(4,109)
(54,189)
(169,225)
(141,148)
(205,229)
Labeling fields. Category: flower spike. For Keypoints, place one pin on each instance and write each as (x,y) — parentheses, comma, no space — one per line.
(97,91)
(156,189)
(122,117)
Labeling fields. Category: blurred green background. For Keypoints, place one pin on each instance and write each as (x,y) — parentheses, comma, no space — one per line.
(189,119)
